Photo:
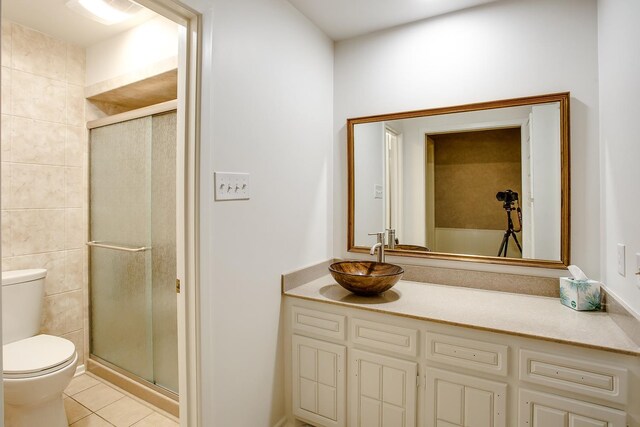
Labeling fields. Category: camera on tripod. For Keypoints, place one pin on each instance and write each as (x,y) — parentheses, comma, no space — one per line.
(508,197)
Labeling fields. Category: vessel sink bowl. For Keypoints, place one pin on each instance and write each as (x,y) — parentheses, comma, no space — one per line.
(365,277)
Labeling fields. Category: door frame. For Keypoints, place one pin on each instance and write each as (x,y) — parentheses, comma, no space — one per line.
(187,201)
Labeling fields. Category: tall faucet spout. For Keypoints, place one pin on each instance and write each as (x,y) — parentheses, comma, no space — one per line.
(374,247)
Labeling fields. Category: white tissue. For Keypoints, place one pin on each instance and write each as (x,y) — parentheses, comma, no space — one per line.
(577,273)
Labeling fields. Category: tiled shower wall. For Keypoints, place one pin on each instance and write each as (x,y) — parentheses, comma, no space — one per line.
(44,154)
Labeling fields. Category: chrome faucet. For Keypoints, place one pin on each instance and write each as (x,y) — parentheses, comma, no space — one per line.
(392,238)
(379,246)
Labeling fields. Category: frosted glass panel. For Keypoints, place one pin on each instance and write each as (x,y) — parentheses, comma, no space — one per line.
(133,205)
(163,235)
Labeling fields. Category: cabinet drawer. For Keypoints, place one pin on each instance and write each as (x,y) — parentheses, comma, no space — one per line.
(318,323)
(580,376)
(385,337)
(471,354)
(547,410)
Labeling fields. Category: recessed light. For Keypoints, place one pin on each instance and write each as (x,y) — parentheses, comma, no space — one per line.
(107,12)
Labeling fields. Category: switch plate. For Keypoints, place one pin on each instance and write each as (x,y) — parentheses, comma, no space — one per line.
(377,191)
(621,260)
(231,186)
(637,269)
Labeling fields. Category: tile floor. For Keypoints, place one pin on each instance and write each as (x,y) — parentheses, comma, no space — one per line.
(91,402)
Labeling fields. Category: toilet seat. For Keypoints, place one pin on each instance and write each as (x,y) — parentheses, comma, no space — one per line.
(36,356)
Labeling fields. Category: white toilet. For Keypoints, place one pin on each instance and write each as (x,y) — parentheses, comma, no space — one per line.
(36,368)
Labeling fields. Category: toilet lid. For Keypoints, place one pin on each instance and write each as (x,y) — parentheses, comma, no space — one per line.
(35,355)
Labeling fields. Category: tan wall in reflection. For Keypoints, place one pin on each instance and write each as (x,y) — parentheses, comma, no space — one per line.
(470,168)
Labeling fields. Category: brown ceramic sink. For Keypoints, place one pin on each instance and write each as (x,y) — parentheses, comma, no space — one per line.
(365,277)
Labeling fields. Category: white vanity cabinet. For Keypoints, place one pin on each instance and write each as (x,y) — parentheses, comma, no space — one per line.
(382,390)
(352,367)
(453,399)
(548,410)
(318,381)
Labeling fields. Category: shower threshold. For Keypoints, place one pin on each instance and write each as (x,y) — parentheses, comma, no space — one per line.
(153,394)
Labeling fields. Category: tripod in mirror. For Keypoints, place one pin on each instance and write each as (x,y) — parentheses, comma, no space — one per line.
(509,199)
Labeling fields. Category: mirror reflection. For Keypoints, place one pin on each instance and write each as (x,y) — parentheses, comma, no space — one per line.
(483,183)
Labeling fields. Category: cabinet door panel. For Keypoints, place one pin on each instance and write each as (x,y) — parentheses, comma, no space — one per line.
(327,401)
(539,409)
(382,391)
(319,381)
(393,383)
(449,402)
(371,412)
(549,417)
(477,408)
(454,399)
(392,416)
(578,421)
(308,395)
(327,368)
(370,379)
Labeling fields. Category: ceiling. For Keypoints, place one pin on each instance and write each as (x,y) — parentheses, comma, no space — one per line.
(339,19)
(54,18)
(343,19)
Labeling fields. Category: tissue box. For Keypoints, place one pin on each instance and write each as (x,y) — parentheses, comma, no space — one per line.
(580,295)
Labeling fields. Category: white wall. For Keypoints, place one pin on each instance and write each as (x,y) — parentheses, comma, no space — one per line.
(369,172)
(267,95)
(151,42)
(618,35)
(496,51)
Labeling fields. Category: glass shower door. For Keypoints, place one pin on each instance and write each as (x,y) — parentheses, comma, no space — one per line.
(132,248)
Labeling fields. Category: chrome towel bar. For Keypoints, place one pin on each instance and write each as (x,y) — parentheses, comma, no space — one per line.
(117,247)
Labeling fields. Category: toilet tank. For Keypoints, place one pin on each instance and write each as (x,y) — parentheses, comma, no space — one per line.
(22,300)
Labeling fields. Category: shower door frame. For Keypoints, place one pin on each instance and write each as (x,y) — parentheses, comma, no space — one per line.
(187,200)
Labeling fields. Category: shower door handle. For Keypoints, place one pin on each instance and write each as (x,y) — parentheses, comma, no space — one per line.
(97,244)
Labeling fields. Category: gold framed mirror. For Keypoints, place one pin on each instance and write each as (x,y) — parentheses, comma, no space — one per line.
(485,182)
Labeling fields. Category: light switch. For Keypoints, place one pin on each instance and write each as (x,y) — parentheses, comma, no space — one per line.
(621,261)
(231,186)
(377,191)
(637,269)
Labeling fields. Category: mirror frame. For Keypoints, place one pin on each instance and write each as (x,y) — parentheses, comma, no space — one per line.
(563,99)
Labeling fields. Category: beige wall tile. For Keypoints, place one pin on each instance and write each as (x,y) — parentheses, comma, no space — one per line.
(6,264)
(5,136)
(76,58)
(74,187)
(38,97)
(54,262)
(37,186)
(74,269)
(6,90)
(36,141)
(37,53)
(77,338)
(6,234)
(76,146)
(62,313)
(6,42)
(76,231)
(35,231)
(6,185)
(75,105)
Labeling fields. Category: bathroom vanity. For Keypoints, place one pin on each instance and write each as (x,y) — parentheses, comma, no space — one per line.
(442,356)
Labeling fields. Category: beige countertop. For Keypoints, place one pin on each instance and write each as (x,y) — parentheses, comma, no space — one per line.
(516,314)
